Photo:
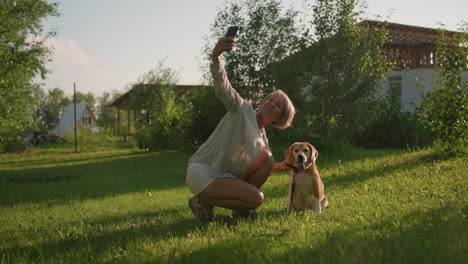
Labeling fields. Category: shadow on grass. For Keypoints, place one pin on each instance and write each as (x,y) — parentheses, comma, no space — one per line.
(71,158)
(88,245)
(345,179)
(434,236)
(326,159)
(96,179)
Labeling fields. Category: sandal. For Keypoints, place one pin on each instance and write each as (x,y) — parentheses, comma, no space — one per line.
(202,212)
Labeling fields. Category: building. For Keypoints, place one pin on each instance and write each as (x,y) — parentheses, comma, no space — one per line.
(413,49)
(84,118)
(122,105)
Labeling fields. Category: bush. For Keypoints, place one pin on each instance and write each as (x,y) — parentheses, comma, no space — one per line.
(395,129)
(13,141)
(183,121)
(286,137)
(445,110)
(164,134)
(169,129)
(206,113)
(337,145)
(90,140)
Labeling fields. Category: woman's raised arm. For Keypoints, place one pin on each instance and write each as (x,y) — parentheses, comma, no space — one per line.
(223,88)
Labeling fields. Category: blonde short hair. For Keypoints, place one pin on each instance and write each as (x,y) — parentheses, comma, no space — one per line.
(288,110)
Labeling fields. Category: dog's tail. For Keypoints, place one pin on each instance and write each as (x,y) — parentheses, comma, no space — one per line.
(324,203)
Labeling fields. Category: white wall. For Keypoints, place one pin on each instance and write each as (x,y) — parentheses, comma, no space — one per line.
(414,83)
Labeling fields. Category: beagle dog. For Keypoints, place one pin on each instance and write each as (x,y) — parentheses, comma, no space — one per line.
(306,190)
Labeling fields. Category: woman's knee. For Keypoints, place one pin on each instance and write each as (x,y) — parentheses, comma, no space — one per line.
(266,158)
(255,200)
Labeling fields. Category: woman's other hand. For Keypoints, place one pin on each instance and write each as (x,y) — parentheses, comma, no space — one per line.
(224,44)
(281,166)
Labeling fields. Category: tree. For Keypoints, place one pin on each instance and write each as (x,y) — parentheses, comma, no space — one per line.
(445,111)
(152,92)
(336,78)
(331,75)
(107,116)
(267,34)
(50,107)
(86,98)
(162,112)
(22,54)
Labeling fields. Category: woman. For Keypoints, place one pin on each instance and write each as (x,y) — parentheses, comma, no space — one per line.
(231,166)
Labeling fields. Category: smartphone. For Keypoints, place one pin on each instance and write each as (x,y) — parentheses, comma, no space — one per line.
(232,31)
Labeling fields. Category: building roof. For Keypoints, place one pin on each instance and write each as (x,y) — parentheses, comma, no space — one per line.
(407,34)
(121,102)
(67,119)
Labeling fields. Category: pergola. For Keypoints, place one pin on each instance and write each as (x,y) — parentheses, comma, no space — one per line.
(410,46)
(122,104)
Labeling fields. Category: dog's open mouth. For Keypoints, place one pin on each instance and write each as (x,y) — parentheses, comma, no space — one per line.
(301,167)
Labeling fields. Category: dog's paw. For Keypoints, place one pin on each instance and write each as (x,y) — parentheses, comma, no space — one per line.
(324,203)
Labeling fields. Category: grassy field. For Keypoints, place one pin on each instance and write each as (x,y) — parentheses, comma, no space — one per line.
(123,205)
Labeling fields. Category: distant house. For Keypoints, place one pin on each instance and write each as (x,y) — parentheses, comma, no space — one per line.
(84,118)
(413,49)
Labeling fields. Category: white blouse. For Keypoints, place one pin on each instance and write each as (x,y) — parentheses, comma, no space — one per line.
(237,140)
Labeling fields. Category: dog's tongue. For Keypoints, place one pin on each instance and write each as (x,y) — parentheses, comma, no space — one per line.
(300,167)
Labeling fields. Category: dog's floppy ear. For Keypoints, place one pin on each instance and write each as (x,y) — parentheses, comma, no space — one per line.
(313,152)
(288,154)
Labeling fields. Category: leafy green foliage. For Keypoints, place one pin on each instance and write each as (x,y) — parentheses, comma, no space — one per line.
(205,115)
(107,116)
(88,98)
(445,111)
(88,140)
(330,75)
(162,112)
(394,129)
(267,34)
(152,93)
(168,130)
(23,54)
(50,107)
(338,75)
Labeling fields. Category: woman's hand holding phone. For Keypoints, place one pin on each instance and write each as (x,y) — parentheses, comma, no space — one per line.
(225,44)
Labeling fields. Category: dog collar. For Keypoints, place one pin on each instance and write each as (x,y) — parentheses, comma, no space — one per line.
(292,167)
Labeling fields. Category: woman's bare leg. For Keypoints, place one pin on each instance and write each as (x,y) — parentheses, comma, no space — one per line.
(260,169)
(231,194)
(243,193)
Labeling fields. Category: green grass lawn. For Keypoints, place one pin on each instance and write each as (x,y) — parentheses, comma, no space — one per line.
(123,205)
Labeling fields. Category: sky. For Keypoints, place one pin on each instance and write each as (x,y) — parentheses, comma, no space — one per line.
(105,45)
